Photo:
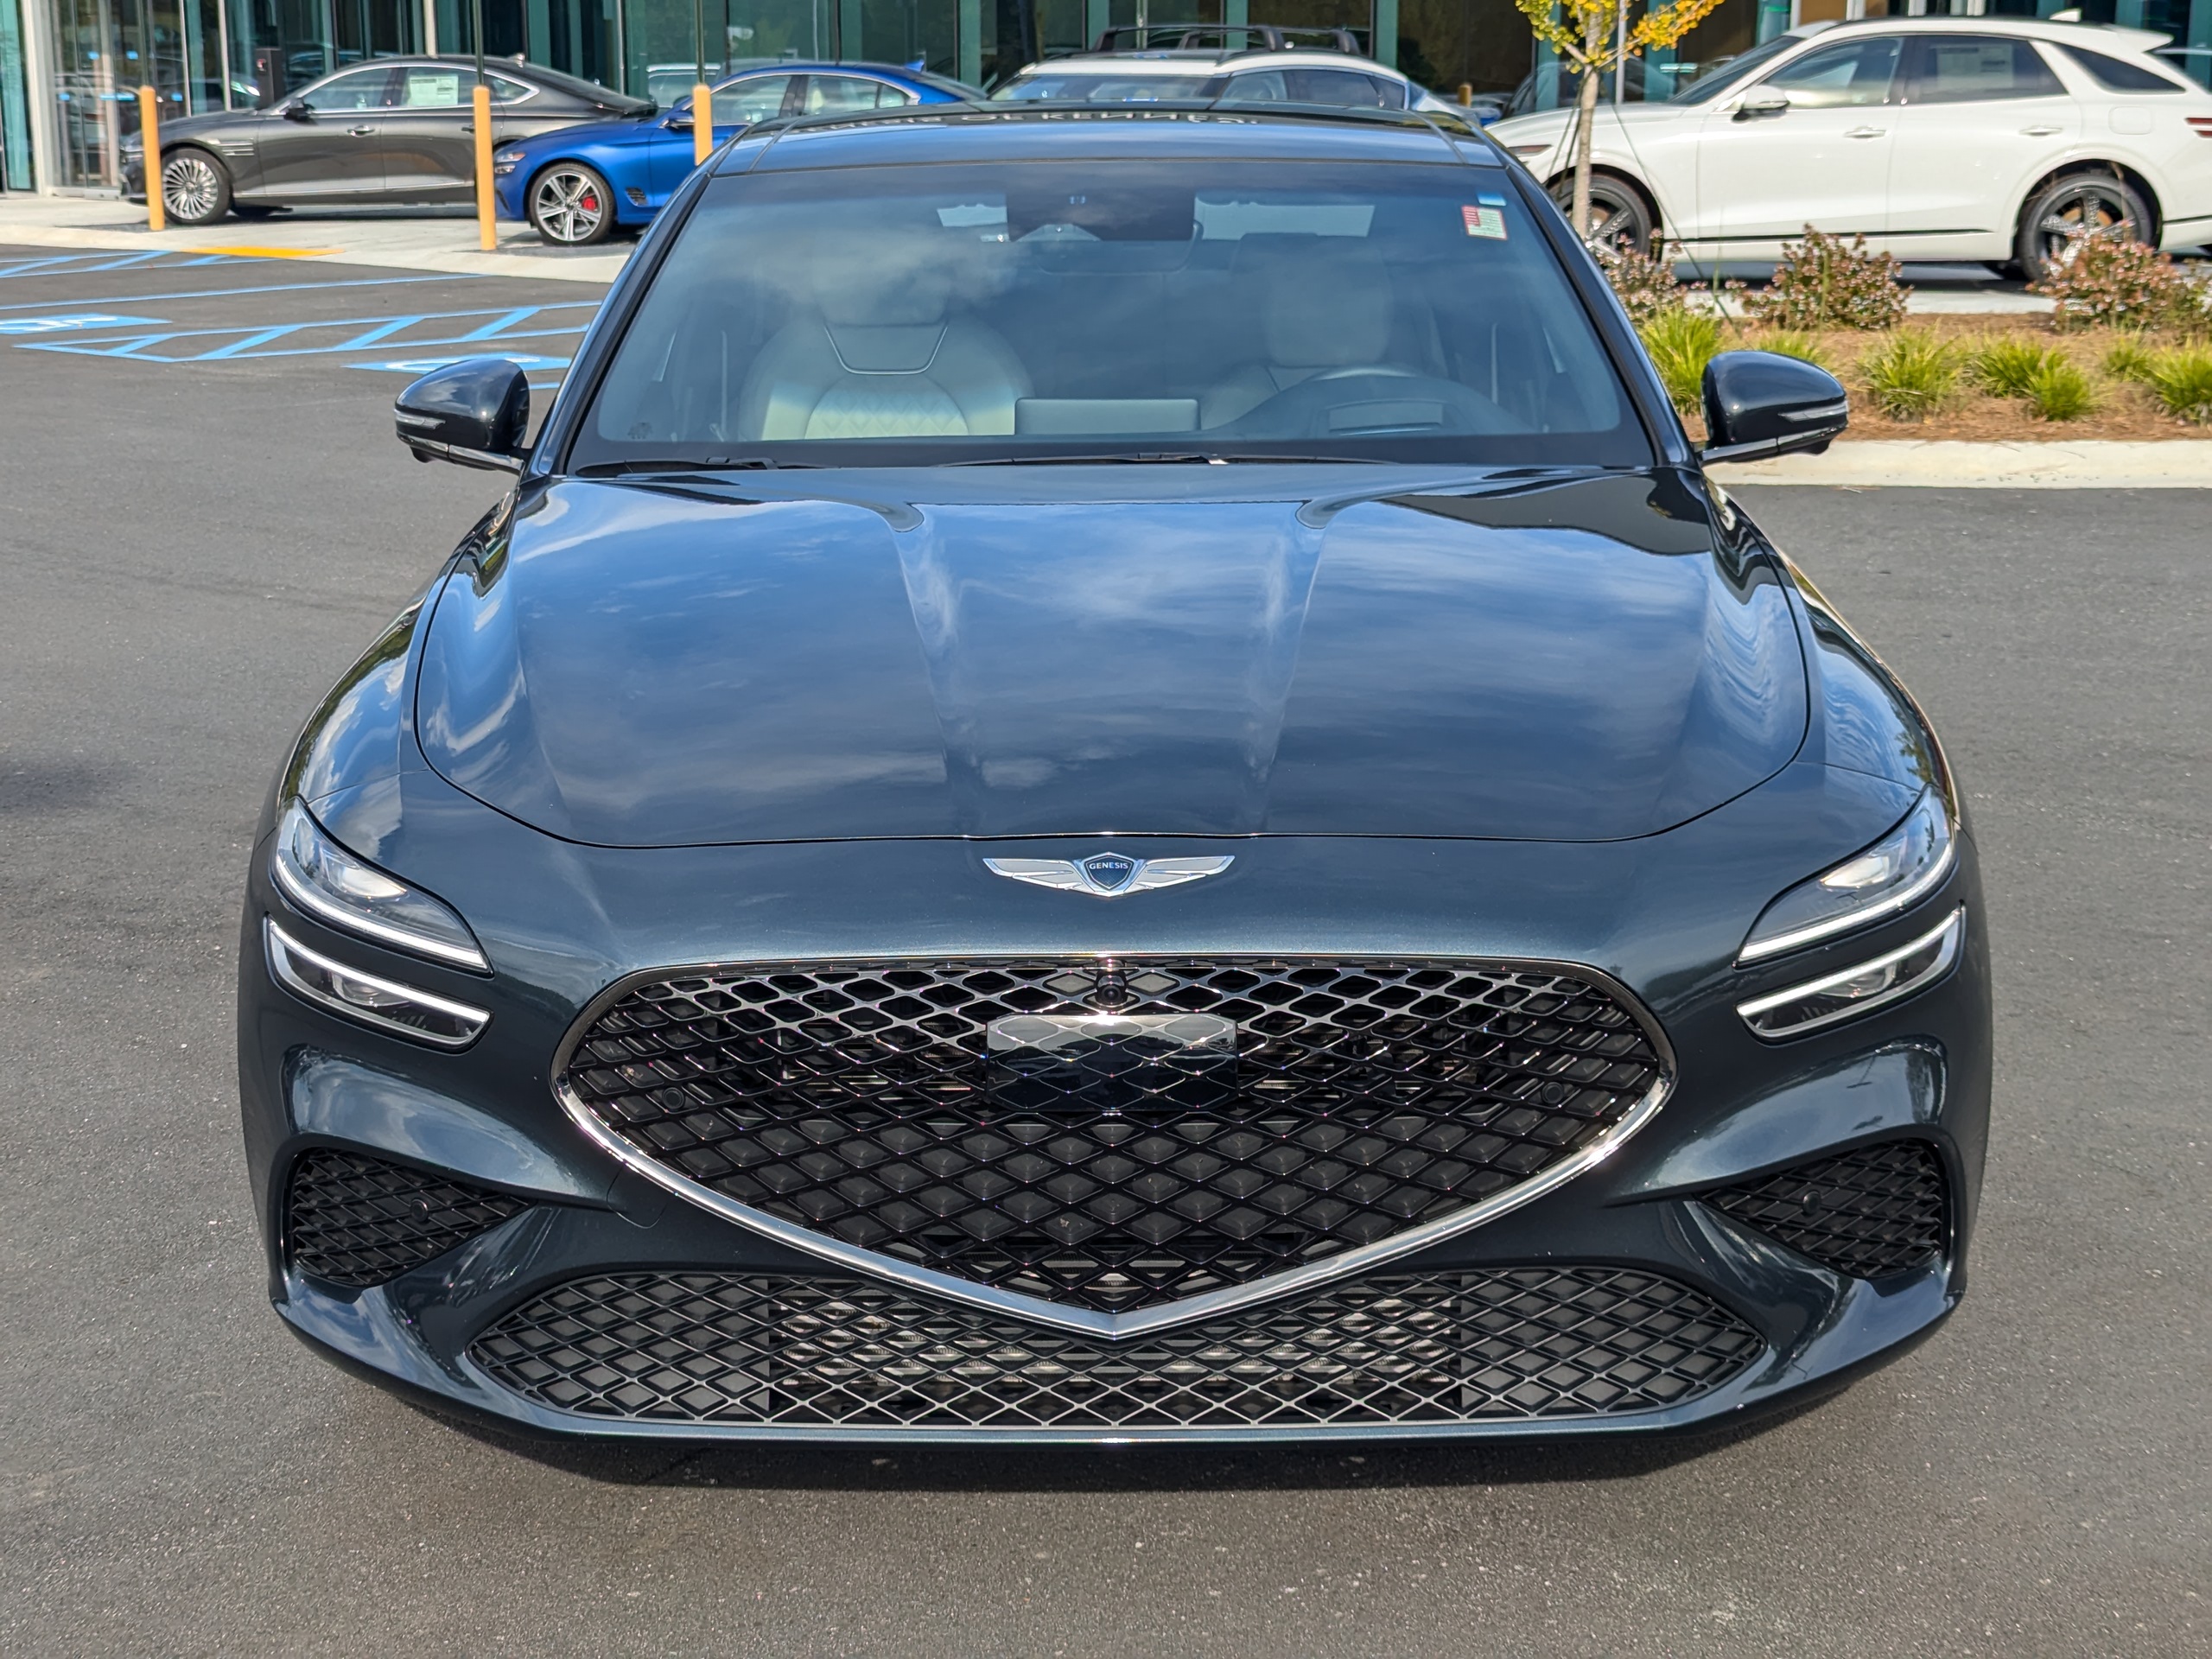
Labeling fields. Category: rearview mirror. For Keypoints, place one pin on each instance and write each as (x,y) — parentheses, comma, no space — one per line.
(1757,105)
(474,414)
(1762,403)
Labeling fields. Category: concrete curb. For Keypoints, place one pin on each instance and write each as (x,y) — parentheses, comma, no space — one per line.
(2082,464)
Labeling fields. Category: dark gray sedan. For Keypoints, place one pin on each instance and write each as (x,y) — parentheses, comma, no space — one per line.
(398,129)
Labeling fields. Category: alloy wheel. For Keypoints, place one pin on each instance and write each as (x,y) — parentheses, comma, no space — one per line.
(1618,219)
(189,188)
(2088,207)
(570,207)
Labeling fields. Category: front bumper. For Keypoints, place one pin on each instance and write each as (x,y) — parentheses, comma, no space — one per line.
(584,1230)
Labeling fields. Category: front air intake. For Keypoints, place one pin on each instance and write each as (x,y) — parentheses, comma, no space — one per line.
(1517,1344)
(1867,1213)
(353,1220)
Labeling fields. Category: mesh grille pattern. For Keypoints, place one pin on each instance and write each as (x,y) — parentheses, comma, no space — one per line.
(1353,1100)
(357,1221)
(1435,1348)
(1874,1210)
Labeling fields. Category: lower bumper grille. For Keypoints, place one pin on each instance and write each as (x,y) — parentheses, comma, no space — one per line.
(1874,1210)
(356,1221)
(1441,1348)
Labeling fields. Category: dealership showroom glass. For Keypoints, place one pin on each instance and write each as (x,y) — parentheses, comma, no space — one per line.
(1112,775)
(69,68)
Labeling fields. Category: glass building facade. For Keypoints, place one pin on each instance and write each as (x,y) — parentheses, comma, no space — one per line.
(75,65)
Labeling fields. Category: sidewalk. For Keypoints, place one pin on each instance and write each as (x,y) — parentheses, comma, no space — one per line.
(2085,464)
(413,238)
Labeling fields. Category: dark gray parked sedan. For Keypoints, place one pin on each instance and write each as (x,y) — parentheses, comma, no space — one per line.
(1113,775)
(398,129)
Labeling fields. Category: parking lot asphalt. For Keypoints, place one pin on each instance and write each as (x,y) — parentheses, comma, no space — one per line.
(195,540)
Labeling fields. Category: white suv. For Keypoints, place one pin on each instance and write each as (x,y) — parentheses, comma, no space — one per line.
(1942,138)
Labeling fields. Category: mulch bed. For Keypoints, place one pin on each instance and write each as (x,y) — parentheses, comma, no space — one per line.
(2125,411)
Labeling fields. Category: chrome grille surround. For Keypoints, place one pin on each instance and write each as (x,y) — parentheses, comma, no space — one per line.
(1412,1351)
(1497,1080)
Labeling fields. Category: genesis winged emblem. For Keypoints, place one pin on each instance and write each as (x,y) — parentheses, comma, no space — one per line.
(1108,875)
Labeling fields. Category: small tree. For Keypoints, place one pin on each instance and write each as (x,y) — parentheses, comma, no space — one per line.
(1594,36)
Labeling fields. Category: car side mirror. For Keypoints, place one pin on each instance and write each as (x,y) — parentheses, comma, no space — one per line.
(1762,403)
(297,110)
(1758,106)
(474,414)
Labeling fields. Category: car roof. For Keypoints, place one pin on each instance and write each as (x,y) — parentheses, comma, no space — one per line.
(1051,129)
(890,71)
(2089,36)
(1167,61)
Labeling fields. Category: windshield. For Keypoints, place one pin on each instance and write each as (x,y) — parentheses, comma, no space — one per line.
(1715,78)
(913,315)
(1096,86)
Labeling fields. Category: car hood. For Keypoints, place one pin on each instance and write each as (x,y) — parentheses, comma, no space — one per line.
(617,132)
(642,664)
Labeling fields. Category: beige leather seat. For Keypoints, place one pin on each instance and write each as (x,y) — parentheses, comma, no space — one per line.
(1325,307)
(884,354)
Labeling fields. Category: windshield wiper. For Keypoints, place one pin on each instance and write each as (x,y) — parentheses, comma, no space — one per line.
(692,464)
(1173,458)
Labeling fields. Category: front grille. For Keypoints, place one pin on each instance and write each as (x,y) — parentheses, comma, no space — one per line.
(355,1221)
(1520,1343)
(1877,1210)
(1351,1101)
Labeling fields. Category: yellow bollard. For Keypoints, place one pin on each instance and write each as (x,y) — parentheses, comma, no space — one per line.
(149,128)
(487,230)
(703,124)
(1466,94)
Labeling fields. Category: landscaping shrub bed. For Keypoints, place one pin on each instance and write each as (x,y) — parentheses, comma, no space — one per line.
(1991,361)
(2127,354)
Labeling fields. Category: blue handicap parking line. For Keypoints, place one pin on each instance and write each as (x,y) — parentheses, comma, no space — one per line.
(424,364)
(75,264)
(285,339)
(73,322)
(269,287)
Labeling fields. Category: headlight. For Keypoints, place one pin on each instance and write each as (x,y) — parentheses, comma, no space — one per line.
(401,1009)
(329,883)
(506,162)
(1860,989)
(1892,874)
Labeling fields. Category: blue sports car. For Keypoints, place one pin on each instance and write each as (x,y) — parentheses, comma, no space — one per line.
(577,184)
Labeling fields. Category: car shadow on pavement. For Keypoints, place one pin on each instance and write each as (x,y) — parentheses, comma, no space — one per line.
(802,1466)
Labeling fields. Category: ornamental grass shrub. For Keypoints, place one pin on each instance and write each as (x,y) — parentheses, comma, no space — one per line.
(1913,374)
(2130,358)
(2058,390)
(2003,368)
(2107,278)
(1796,342)
(2181,382)
(1823,281)
(1681,342)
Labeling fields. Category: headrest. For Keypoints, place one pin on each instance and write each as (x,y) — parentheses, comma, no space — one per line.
(891,280)
(1324,301)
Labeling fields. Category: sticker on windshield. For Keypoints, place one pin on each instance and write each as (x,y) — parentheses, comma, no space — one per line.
(1485,216)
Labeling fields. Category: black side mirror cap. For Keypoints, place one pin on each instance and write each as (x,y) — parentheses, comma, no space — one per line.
(296,110)
(474,414)
(1762,403)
